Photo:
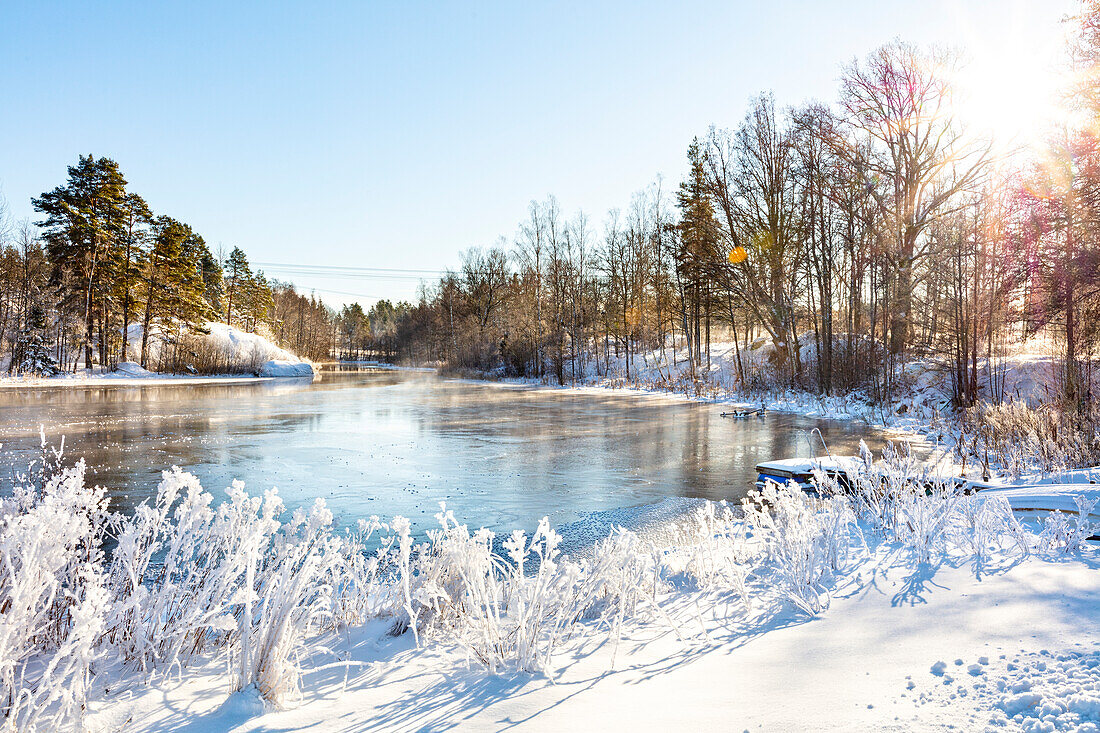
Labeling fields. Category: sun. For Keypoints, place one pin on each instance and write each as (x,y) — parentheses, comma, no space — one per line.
(1010,86)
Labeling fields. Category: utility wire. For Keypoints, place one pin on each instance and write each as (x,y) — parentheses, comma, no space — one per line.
(349,268)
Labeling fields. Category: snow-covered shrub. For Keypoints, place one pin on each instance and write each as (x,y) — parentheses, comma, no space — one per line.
(360,590)
(33,352)
(188,601)
(503,610)
(285,599)
(807,539)
(717,548)
(534,604)
(140,624)
(232,577)
(985,525)
(900,500)
(1066,533)
(1023,438)
(52,599)
(621,577)
(924,512)
(871,491)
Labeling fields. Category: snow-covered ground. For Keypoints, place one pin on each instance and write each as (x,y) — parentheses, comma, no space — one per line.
(936,648)
(895,606)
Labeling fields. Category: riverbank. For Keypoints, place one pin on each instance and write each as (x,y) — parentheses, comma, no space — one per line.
(127,378)
(990,628)
(242,355)
(899,649)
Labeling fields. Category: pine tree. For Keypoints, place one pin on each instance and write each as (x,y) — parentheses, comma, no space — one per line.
(135,234)
(161,277)
(238,278)
(176,282)
(189,305)
(260,301)
(698,242)
(33,347)
(212,279)
(83,223)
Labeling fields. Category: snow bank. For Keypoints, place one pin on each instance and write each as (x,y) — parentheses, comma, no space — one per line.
(245,346)
(1050,497)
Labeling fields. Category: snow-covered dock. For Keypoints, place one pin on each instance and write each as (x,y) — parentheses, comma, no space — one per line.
(1076,491)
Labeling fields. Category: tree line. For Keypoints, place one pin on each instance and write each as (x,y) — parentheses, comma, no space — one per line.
(100,279)
(849,238)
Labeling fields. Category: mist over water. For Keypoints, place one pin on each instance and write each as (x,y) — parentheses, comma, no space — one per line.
(375,442)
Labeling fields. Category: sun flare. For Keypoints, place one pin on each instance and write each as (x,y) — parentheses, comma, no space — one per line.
(1010,87)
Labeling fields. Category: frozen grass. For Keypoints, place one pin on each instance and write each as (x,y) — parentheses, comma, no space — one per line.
(1020,438)
(241,582)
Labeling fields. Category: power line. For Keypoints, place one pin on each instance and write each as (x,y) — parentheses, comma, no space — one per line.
(349,268)
(347,275)
(353,295)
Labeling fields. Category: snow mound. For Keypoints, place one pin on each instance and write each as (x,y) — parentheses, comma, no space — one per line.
(1033,691)
(220,347)
(131,369)
(286,368)
(246,346)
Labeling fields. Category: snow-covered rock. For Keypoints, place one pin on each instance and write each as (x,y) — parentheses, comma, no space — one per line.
(286,368)
(131,369)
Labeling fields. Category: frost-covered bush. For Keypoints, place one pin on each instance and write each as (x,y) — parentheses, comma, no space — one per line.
(1065,532)
(718,550)
(807,539)
(286,598)
(901,501)
(185,577)
(229,577)
(987,525)
(52,599)
(511,609)
(202,584)
(1022,438)
(360,587)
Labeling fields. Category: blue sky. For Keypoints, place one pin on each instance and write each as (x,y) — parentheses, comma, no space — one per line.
(394,135)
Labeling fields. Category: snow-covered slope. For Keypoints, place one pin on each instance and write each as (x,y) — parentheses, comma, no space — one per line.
(248,347)
(236,348)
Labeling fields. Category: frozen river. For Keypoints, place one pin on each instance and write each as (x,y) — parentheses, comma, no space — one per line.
(388,442)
